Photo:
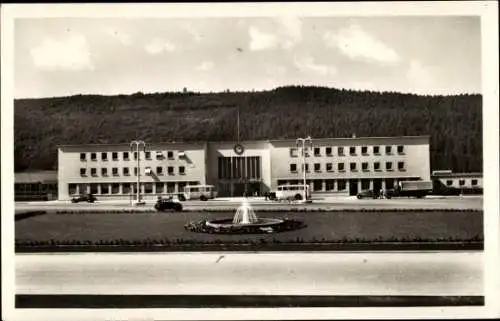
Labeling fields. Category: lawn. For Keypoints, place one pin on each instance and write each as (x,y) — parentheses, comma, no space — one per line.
(330,226)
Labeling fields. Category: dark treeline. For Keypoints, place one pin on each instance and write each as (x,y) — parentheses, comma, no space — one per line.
(454,122)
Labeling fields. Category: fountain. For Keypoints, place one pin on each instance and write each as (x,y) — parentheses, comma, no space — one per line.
(244,221)
(245,214)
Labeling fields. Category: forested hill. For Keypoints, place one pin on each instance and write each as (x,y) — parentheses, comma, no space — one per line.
(454,122)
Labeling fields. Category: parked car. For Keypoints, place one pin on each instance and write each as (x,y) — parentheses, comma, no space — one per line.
(89,198)
(368,194)
(164,204)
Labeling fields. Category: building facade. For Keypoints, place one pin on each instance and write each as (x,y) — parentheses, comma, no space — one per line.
(35,186)
(464,183)
(332,165)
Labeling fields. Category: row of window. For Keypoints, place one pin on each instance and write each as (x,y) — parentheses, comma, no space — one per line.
(126,171)
(127,188)
(329,184)
(461,182)
(159,155)
(376,150)
(352,166)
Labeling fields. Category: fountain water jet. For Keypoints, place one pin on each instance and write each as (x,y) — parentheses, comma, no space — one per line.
(245,214)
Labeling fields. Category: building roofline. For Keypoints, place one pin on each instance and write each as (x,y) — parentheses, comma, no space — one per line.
(244,141)
(356,138)
(473,174)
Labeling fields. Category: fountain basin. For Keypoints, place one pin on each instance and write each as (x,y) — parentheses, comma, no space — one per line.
(259,222)
(262,225)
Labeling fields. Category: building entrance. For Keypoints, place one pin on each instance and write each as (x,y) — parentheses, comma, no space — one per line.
(353,187)
(239,176)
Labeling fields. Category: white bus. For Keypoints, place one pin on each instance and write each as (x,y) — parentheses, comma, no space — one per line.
(295,192)
(201,192)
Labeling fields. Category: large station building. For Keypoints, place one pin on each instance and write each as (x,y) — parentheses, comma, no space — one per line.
(333,165)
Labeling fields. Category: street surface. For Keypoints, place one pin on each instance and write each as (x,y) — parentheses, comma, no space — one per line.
(339,273)
(332,203)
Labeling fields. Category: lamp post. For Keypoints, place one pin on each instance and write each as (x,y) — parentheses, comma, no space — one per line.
(303,141)
(136,144)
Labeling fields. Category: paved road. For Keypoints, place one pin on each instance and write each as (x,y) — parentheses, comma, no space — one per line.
(340,273)
(467,202)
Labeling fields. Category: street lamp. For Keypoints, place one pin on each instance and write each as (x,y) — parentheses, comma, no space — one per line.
(137,144)
(303,141)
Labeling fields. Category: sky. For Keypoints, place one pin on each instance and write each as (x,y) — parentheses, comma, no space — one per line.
(411,54)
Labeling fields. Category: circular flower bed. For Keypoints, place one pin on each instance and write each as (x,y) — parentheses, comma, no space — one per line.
(224,226)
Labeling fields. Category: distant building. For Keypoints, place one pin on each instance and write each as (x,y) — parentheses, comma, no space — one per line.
(445,181)
(35,186)
(333,165)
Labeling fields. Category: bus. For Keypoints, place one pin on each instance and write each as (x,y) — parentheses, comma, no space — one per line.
(198,192)
(295,192)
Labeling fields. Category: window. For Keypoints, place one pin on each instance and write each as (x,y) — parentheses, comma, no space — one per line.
(104,189)
(294,152)
(148,188)
(474,182)
(461,182)
(328,151)
(115,188)
(341,167)
(170,188)
(400,149)
(93,156)
(353,167)
(388,166)
(147,155)
(376,150)
(341,185)
(114,155)
(364,150)
(376,166)
(388,150)
(104,156)
(115,171)
(365,184)
(182,170)
(170,154)
(364,166)
(126,171)
(352,150)
(317,185)
(329,167)
(449,182)
(159,155)
(307,167)
(159,188)
(159,170)
(317,151)
(170,170)
(135,171)
(293,168)
(125,156)
(401,166)
(93,171)
(83,172)
(104,171)
(72,189)
(340,151)
(126,188)
(93,188)
(330,185)
(317,167)
(83,156)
